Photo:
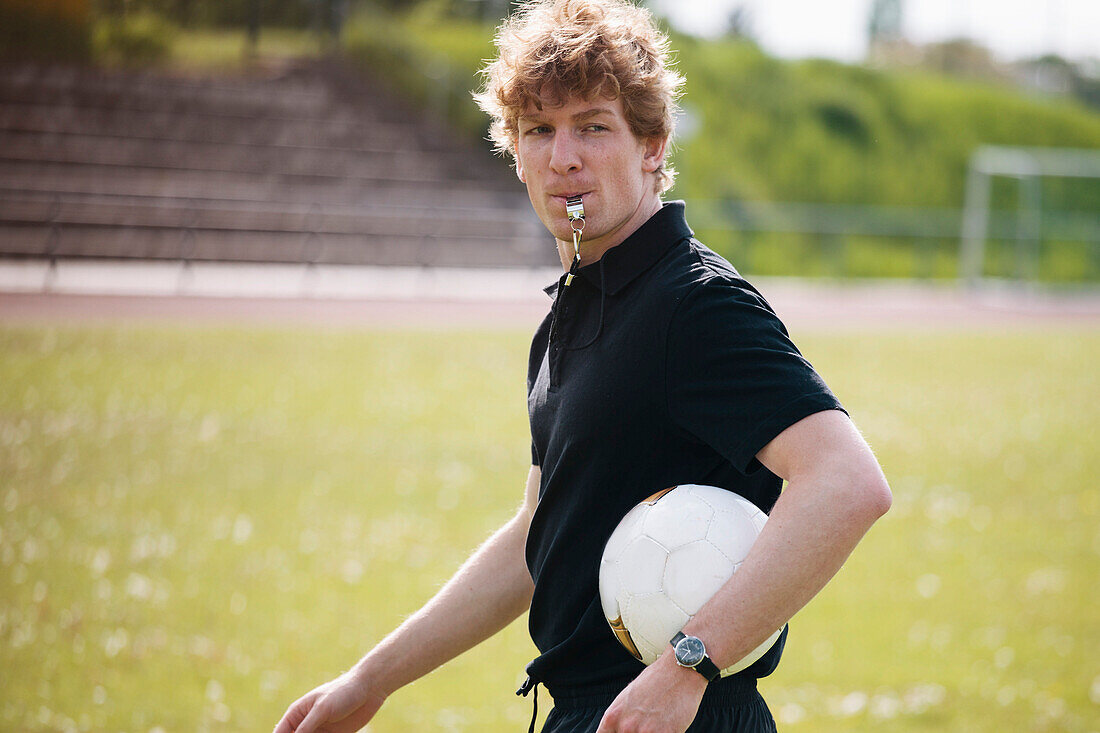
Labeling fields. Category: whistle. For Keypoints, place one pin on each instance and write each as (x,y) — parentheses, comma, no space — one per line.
(574,208)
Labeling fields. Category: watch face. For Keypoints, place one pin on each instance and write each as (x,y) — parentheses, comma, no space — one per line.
(690,651)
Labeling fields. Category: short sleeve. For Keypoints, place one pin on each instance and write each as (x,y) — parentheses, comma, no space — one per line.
(735,380)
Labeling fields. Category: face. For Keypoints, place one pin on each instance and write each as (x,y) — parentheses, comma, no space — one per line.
(586,148)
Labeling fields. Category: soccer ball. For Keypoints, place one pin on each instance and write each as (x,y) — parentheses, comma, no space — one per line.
(667,557)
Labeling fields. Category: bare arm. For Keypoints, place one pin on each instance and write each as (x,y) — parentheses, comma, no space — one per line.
(835,492)
(491,589)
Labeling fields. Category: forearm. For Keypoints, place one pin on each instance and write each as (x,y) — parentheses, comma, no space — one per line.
(487,593)
(811,531)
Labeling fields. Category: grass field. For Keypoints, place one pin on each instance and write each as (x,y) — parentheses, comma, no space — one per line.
(198,524)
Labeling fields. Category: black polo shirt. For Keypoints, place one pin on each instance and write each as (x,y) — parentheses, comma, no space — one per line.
(658,365)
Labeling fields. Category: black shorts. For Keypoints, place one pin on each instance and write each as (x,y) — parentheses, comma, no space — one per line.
(731,705)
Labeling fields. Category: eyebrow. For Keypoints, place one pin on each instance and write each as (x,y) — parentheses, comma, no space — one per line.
(589,113)
(579,117)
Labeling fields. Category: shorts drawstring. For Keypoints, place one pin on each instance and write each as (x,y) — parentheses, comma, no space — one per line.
(528,685)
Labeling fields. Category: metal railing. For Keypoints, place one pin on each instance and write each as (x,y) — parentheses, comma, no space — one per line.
(831,229)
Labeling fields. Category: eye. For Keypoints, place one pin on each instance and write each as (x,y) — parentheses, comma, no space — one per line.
(537,130)
(595,127)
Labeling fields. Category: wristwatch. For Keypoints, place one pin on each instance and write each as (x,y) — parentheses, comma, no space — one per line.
(691,652)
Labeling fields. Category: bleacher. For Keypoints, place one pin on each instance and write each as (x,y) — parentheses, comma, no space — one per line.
(310,163)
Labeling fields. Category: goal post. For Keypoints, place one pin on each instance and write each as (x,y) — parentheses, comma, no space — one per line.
(1028,165)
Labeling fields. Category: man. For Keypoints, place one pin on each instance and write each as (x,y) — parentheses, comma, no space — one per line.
(657,365)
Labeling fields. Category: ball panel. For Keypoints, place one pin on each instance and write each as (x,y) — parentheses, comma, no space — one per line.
(710,495)
(733,534)
(694,573)
(736,524)
(716,497)
(721,499)
(653,620)
(628,529)
(609,587)
(640,567)
(759,518)
(677,519)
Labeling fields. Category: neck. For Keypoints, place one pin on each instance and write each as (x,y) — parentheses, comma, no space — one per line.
(592,250)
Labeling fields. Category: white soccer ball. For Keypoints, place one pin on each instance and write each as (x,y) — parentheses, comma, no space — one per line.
(667,557)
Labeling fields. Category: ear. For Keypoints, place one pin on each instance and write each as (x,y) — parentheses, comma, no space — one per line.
(519,163)
(653,153)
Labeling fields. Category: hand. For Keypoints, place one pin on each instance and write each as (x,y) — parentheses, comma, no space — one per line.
(663,699)
(343,705)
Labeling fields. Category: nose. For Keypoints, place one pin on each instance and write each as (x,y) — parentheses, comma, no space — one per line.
(564,154)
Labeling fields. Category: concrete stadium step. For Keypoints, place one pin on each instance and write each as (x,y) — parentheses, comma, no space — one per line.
(158,243)
(29,208)
(312,164)
(341,127)
(242,158)
(46,176)
(300,90)
(78,87)
(340,131)
(315,93)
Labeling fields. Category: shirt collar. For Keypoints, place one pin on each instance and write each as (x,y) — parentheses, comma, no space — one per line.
(638,252)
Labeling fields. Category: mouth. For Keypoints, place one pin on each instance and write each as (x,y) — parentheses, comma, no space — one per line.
(563,198)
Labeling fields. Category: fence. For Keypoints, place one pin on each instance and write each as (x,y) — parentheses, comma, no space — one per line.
(852,241)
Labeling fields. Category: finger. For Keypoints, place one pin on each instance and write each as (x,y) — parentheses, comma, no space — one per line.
(296,714)
(291,719)
(313,721)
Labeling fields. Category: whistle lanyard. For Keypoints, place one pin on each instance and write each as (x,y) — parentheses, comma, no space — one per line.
(574,209)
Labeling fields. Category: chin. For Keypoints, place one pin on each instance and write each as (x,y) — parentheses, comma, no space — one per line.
(559,229)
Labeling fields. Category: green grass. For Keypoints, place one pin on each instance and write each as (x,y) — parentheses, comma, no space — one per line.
(229,49)
(199,524)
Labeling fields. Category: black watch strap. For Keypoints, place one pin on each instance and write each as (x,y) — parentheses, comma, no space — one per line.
(708,669)
(704,666)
